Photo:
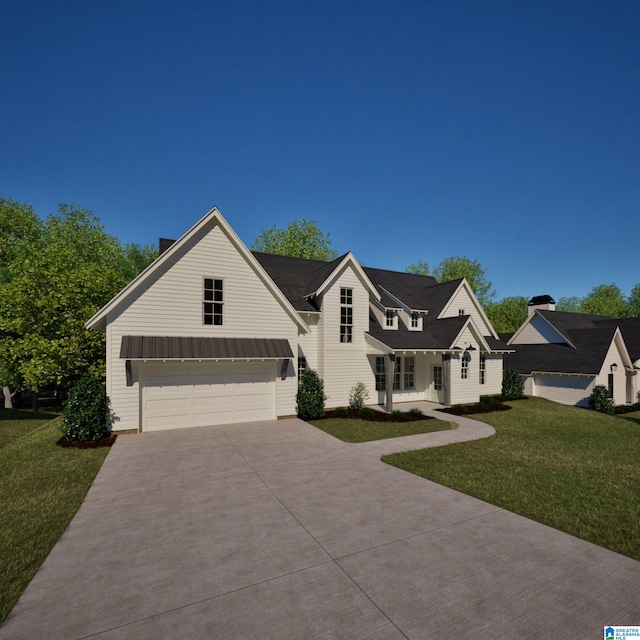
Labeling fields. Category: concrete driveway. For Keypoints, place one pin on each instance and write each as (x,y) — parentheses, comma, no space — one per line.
(276,530)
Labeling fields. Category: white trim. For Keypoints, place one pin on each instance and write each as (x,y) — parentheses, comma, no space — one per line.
(98,321)
(476,304)
(528,321)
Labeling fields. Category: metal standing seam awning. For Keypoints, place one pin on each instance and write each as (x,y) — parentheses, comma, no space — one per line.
(192,348)
(203,348)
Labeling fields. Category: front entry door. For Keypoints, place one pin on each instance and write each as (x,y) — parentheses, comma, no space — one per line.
(437,383)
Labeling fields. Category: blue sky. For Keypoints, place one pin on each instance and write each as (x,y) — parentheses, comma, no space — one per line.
(504,131)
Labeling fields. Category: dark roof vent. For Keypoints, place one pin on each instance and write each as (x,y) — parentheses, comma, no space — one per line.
(164,244)
(541,300)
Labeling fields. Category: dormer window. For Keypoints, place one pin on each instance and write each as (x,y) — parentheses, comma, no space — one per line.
(415,317)
(213,302)
(388,318)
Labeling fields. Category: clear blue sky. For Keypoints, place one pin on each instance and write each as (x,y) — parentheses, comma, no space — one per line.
(504,131)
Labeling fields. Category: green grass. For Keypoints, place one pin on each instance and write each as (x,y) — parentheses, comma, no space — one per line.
(572,469)
(355,430)
(41,488)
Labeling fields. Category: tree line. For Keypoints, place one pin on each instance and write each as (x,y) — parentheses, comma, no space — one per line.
(57,272)
(54,275)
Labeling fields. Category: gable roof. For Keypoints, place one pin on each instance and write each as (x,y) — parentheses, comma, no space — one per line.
(395,286)
(211,219)
(588,338)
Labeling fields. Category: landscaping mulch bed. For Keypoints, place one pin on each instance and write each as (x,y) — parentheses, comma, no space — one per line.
(90,444)
(377,416)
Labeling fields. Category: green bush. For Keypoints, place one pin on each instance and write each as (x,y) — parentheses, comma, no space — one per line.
(341,412)
(359,393)
(310,399)
(600,400)
(86,413)
(397,416)
(512,385)
(367,412)
(415,412)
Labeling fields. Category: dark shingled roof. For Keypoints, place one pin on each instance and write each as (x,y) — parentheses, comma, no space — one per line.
(591,336)
(173,347)
(409,288)
(436,334)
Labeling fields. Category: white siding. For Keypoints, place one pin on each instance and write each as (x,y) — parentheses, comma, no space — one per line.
(572,390)
(462,300)
(171,305)
(345,364)
(464,391)
(310,343)
(539,331)
(619,376)
(493,376)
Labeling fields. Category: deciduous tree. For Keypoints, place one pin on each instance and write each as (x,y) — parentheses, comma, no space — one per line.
(508,314)
(605,300)
(301,239)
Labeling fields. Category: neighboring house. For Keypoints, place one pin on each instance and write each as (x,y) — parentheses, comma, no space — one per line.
(563,356)
(212,333)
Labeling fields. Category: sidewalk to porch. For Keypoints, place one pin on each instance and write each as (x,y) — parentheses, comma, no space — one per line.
(466,430)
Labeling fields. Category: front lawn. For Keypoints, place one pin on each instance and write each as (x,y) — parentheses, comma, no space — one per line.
(357,430)
(570,468)
(41,488)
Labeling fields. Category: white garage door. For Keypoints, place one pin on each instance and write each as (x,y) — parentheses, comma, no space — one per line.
(180,394)
(564,389)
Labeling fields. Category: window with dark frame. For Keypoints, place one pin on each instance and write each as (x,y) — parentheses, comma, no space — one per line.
(346,315)
(611,385)
(213,302)
(483,368)
(409,373)
(381,377)
(397,374)
(414,319)
(302,367)
(464,369)
(388,317)
(437,378)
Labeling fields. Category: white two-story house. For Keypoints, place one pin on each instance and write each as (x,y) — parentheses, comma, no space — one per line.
(213,333)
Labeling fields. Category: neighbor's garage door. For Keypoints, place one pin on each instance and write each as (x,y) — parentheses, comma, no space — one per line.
(180,394)
(564,389)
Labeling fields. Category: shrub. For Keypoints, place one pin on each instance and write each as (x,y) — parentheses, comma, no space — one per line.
(86,414)
(358,395)
(600,400)
(415,412)
(311,397)
(512,385)
(367,412)
(491,402)
(397,416)
(341,412)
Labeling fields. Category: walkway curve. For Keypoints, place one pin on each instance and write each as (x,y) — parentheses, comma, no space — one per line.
(466,431)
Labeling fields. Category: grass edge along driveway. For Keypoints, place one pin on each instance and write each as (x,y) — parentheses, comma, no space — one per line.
(572,469)
(41,488)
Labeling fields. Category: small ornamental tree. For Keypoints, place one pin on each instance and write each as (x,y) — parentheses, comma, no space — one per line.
(311,397)
(600,400)
(86,414)
(359,393)
(512,385)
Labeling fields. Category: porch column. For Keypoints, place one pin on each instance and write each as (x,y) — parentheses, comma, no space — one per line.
(446,378)
(389,370)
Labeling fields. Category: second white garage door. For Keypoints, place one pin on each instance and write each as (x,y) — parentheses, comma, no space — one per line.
(181,394)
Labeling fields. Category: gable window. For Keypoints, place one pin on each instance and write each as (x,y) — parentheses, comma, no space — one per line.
(483,369)
(346,315)
(460,312)
(381,377)
(213,302)
(464,369)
